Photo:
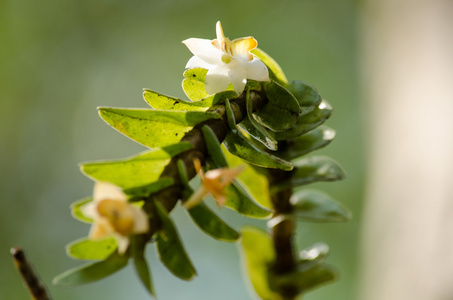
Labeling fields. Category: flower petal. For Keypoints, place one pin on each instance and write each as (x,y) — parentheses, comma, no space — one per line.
(217,79)
(123,243)
(197,62)
(241,48)
(106,190)
(141,224)
(238,77)
(256,70)
(100,229)
(204,49)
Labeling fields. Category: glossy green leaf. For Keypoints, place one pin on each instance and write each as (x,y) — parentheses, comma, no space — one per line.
(258,255)
(213,146)
(91,250)
(141,171)
(240,200)
(154,128)
(159,101)
(212,224)
(307,96)
(307,122)
(275,71)
(76,211)
(315,206)
(138,244)
(92,272)
(193,84)
(256,183)
(242,148)
(313,169)
(306,279)
(170,248)
(256,130)
(308,142)
(312,256)
(281,111)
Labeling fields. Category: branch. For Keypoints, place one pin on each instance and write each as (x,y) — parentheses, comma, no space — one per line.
(35,286)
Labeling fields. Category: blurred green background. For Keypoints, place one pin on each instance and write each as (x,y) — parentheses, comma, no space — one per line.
(61,59)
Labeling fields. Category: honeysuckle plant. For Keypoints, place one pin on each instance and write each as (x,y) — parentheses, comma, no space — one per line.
(248,133)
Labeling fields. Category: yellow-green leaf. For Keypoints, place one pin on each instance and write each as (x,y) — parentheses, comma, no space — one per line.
(154,128)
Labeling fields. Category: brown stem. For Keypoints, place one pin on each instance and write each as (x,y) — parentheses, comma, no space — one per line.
(35,286)
(282,232)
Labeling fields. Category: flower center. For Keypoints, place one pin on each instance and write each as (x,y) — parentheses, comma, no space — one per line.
(226,59)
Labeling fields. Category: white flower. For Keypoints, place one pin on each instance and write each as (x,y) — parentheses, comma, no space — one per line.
(114,216)
(226,61)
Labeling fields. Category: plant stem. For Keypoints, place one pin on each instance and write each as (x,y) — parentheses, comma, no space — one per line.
(282,232)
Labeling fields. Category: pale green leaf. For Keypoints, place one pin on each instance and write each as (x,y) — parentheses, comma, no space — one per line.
(154,128)
(92,272)
(257,256)
(194,84)
(91,250)
(76,211)
(159,101)
(141,171)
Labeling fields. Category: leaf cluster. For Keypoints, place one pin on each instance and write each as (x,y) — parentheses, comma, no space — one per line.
(270,127)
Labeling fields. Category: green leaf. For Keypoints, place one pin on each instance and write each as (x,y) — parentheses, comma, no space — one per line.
(142,170)
(159,101)
(307,96)
(257,255)
(255,130)
(315,139)
(307,122)
(92,272)
(312,169)
(256,183)
(240,200)
(212,224)
(305,280)
(76,210)
(315,206)
(91,250)
(275,71)
(281,111)
(193,84)
(242,148)
(154,128)
(170,248)
(213,146)
(138,244)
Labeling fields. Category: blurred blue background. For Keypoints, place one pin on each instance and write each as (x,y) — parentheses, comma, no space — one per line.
(61,59)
